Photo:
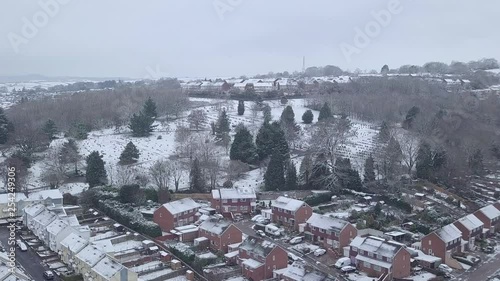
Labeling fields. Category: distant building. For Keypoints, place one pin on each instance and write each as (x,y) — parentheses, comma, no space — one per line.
(378,257)
(331,232)
(8,273)
(176,213)
(290,212)
(234,200)
(50,198)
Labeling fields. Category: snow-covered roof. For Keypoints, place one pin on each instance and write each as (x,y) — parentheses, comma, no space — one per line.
(107,268)
(326,222)
(34,210)
(72,220)
(449,233)
(376,245)
(234,193)
(287,203)
(231,254)
(74,243)
(380,263)
(427,258)
(215,225)
(45,217)
(5,197)
(90,255)
(257,246)
(182,205)
(10,274)
(252,263)
(56,226)
(184,229)
(490,211)
(45,194)
(471,222)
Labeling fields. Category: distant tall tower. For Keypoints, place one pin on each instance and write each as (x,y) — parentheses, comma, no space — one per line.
(304,64)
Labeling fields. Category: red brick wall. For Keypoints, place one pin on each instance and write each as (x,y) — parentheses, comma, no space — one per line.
(300,216)
(346,235)
(465,232)
(437,246)
(232,235)
(254,274)
(401,264)
(164,219)
(483,218)
(277,259)
(233,206)
(168,222)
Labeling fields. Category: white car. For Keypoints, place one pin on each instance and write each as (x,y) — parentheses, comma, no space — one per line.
(348,269)
(319,252)
(443,267)
(261,233)
(21,246)
(296,240)
(257,218)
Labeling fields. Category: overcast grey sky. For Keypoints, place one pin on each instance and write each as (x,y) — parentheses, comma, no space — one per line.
(122,38)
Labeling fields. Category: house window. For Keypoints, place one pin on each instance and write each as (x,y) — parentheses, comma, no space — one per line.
(243,200)
(389,259)
(404,257)
(321,230)
(370,254)
(244,208)
(377,268)
(430,242)
(274,257)
(354,249)
(160,214)
(367,264)
(224,201)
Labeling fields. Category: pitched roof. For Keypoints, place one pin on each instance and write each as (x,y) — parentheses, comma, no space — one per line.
(45,194)
(215,225)
(182,205)
(34,210)
(5,197)
(234,193)
(56,226)
(90,255)
(490,212)
(448,233)
(326,222)
(74,243)
(257,246)
(287,203)
(376,245)
(45,217)
(470,222)
(107,268)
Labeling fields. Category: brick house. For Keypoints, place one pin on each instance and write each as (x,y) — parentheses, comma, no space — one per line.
(176,213)
(331,232)
(471,228)
(490,216)
(497,205)
(443,242)
(234,200)
(258,258)
(378,257)
(290,212)
(220,232)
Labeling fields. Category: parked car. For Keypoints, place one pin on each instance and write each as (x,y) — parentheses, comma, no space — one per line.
(48,275)
(272,230)
(257,218)
(488,250)
(444,268)
(261,233)
(20,244)
(343,262)
(348,269)
(319,252)
(296,240)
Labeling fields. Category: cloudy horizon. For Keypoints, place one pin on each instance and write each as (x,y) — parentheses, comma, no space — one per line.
(238,37)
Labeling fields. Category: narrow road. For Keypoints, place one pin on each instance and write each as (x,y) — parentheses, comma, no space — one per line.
(485,270)
(31,262)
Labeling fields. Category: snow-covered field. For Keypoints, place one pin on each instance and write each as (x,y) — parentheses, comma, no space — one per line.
(162,143)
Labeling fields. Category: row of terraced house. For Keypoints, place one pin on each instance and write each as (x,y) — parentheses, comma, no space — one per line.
(462,234)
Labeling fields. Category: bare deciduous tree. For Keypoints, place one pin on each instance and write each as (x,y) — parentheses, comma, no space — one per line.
(55,170)
(161,172)
(409,148)
(197,119)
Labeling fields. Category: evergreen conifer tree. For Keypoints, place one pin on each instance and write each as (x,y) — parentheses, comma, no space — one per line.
(274,178)
(369,175)
(241,107)
(197,180)
(130,154)
(96,173)
(325,113)
(50,129)
(308,117)
(243,148)
(291,177)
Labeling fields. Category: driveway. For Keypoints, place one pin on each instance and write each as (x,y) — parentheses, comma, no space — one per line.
(31,262)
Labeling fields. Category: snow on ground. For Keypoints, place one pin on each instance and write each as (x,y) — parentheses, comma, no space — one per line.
(423,276)
(156,274)
(161,144)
